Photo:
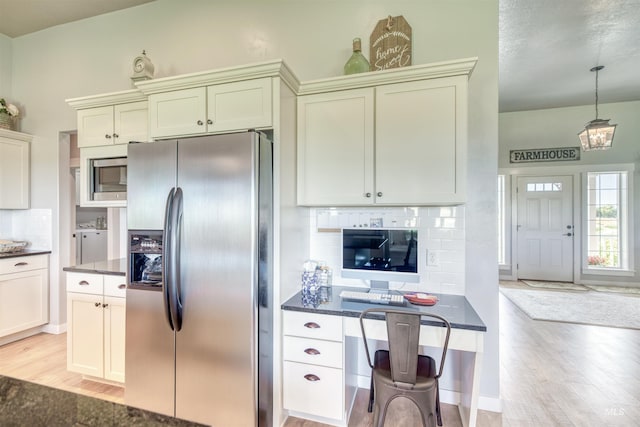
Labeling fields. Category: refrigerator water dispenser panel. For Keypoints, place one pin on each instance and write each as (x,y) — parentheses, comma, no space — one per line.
(145,259)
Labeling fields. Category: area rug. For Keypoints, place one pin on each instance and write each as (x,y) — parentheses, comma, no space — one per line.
(555,285)
(616,289)
(587,308)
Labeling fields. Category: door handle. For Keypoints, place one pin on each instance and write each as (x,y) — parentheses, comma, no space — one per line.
(174,261)
(166,257)
(568,234)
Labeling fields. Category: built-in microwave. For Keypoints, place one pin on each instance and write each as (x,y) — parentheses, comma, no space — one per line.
(108,178)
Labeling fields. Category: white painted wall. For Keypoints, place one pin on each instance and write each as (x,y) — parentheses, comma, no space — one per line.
(559,127)
(94,56)
(5,67)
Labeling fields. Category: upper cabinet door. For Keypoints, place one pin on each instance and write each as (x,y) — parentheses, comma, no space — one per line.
(95,127)
(14,171)
(130,122)
(179,112)
(335,148)
(421,142)
(239,105)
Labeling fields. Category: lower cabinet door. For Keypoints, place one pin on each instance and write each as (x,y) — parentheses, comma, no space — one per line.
(85,344)
(24,301)
(313,389)
(114,330)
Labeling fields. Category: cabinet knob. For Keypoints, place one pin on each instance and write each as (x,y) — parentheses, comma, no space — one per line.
(379,194)
(312,351)
(209,121)
(199,122)
(115,135)
(107,136)
(311,325)
(20,264)
(311,377)
(97,304)
(83,283)
(105,305)
(122,286)
(367,194)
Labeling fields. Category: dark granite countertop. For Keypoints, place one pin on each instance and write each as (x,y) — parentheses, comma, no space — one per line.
(115,267)
(455,308)
(27,404)
(28,252)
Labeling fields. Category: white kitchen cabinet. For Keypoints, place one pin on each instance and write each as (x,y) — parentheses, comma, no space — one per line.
(112,124)
(24,293)
(335,148)
(421,150)
(397,137)
(96,325)
(313,365)
(218,108)
(14,169)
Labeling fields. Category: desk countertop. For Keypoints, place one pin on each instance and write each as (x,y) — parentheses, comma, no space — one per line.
(455,308)
(115,267)
(23,403)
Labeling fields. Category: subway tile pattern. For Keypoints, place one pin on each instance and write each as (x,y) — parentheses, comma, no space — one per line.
(31,225)
(441,242)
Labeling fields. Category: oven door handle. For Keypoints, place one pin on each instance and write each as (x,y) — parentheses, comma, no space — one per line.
(167,272)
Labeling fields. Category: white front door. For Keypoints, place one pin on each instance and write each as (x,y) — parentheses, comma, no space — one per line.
(545,228)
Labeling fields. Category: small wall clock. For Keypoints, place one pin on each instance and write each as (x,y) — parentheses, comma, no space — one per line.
(142,68)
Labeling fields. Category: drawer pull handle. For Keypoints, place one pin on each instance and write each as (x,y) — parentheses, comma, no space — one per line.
(312,351)
(311,377)
(311,325)
(20,264)
(122,286)
(97,304)
(83,283)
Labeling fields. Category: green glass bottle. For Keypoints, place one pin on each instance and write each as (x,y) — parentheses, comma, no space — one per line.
(357,63)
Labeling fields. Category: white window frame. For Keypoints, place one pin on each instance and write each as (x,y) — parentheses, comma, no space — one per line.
(626,233)
(503,218)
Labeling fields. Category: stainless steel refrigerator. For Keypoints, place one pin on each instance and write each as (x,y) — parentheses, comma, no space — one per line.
(199,297)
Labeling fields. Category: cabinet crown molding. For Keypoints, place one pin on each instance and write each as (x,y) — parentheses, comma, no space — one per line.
(275,68)
(11,134)
(458,67)
(122,97)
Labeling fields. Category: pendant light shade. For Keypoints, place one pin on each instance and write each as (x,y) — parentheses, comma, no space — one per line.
(598,133)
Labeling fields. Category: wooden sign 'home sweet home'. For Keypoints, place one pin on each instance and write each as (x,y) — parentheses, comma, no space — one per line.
(390,44)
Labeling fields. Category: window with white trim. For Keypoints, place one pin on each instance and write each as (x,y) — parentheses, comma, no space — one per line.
(502,223)
(606,227)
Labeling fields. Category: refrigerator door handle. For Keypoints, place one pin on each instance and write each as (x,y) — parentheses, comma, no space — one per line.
(167,272)
(175,301)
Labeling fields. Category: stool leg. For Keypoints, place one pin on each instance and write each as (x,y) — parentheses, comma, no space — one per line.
(370,408)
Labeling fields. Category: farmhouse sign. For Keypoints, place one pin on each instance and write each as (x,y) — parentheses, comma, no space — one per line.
(561,154)
(390,44)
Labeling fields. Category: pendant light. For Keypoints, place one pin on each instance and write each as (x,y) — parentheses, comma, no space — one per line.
(598,133)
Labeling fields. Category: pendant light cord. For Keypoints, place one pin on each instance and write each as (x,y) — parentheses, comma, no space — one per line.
(597,94)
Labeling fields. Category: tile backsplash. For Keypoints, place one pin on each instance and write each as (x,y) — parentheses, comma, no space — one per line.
(441,242)
(32,225)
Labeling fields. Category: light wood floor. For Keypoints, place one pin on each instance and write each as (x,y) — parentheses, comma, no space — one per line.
(552,374)
(42,359)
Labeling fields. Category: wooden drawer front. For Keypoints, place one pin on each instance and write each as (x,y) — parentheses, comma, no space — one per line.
(316,352)
(85,283)
(312,325)
(311,389)
(23,263)
(115,286)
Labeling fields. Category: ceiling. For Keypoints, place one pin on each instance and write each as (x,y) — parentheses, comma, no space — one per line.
(546,47)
